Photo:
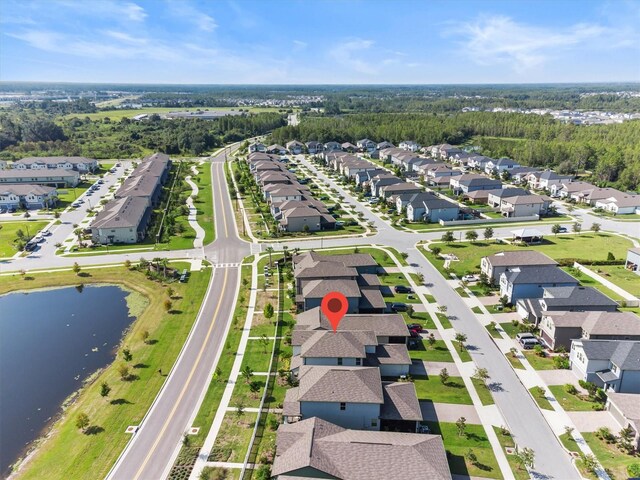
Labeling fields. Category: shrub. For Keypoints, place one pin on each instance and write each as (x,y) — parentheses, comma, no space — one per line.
(561,362)
(634,470)
(570,389)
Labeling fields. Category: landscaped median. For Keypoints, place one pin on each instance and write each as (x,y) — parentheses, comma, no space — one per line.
(15,234)
(68,453)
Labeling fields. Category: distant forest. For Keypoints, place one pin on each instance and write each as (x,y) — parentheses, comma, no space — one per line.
(37,134)
(610,152)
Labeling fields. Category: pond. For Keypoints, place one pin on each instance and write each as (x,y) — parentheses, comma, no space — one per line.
(50,342)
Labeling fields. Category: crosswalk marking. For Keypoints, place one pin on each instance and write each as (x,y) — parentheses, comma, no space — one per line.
(226,265)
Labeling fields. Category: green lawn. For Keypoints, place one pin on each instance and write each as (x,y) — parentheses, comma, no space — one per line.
(423,318)
(541,400)
(257,356)
(66,196)
(483,392)
(477,310)
(493,332)
(539,363)
(233,438)
(589,246)
(461,291)
(68,453)
(130,112)
(438,353)
(620,276)
(204,203)
(381,258)
(572,403)
(457,446)
(444,320)
(587,281)
(430,298)
(610,456)
(431,388)
(507,441)
(464,353)
(8,234)
(510,329)
(515,362)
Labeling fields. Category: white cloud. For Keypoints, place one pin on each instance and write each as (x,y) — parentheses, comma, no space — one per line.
(499,39)
(349,54)
(105,8)
(188,11)
(299,45)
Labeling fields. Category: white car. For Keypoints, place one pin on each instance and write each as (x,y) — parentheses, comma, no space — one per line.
(469,278)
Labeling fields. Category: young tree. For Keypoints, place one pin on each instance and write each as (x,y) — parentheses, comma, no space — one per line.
(442,309)
(471,235)
(126,354)
(447,237)
(82,421)
(555,229)
(247,373)
(239,408)
(461,338)
(461,425)
(431,339)
(127,264)
(436,250)
(144,336)
(482,374)
(471,457)
(444,376)
(168,305)
(217,374)
(595,227)
(488,233)
(268,311)
(410,310)
(525,457)
(270,251)
(105,389)
(123,371)
(76,268)
(170,292)
(504,301)
(577,227)
(264,340)
(625,442)
(254,387)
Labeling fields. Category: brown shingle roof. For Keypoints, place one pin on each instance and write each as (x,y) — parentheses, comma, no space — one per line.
(520,258)
(400,402)
(340,384)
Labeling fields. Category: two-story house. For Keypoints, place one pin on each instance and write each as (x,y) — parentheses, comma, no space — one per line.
(495,265)
(530,282)
(611,365)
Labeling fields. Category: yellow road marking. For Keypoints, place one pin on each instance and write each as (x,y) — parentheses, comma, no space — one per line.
(186,385)
(224,213)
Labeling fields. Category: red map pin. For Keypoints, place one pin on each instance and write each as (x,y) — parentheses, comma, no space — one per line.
(334,305)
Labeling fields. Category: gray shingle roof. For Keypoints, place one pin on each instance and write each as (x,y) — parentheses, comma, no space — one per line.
(389,354)
(319,288)
(121,213)
(400,402)
(358,455)
(335,345)
(538,274)
(628,404)
(520,257)
(340,384)
(607,323)
(624,354)
(387,324)
(575,297)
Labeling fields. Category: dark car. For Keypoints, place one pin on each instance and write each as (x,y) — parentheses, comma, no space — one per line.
(398,307)
(402,289)
(414,334)
(415,326)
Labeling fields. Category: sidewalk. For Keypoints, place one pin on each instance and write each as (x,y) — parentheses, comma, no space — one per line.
(193,211)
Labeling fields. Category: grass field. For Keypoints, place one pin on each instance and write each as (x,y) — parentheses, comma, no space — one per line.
(589,246)
(540,400)
(572,403)
(438,353)
(131,112)
(66,196)
(8,234)
(457,446)
(507,441)
(610,456)
(483,392)
(70,454)
(204,203)
(539,363)
(621,277)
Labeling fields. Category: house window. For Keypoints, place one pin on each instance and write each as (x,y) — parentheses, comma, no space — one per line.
(374,422)
(339,360)
(358,362)
(343,406)
(614,369)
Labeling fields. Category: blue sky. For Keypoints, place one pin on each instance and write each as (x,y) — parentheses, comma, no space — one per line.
(319,42)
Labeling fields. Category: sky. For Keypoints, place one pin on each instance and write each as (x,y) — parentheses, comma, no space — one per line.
(320,41)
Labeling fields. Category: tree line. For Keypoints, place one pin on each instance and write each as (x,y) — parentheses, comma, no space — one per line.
(611,153)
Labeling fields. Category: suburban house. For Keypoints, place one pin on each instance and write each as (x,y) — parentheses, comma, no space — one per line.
(495,265)
(432,209)
(314,147)
(386,191)
(383,145)
(470,182)
(478,162)
(633,260)
(625,408)
(57,177)
(157,165)
(332,146)
(409,145)
(495,197)
(306,219)
(620,204)
(257,147)
(520,175)
(366,145)
(142,186)
(611,365)
(364,176)
(276,149)
(570,190)
(545,179)
(382,180)
(524,205)
(315,448)
(530,281)
(354,275)
(123,220)
(570,299)
(27,196)
(348,147)
(436,171)
(559,328)
(295,147)
(500,165)
(81,164)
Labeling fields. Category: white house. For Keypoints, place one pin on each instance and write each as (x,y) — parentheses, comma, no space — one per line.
(27,196)
(610,364)
(409,145)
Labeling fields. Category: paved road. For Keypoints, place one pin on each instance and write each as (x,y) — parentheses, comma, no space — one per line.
(151,452)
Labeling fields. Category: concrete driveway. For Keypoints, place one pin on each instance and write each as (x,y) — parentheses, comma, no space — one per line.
(448,412)
(592,421)
(421,367)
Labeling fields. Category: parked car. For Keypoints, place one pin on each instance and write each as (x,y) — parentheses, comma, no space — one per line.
(75,204)
(414,334)
(374,200)
(398,307)
(562,230)
(469,278)
(46,232)
(415,326)
(402,289)
(100,181)
(523,335)
(529,343)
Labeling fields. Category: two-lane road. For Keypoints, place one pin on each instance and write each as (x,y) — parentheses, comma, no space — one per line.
(151,452)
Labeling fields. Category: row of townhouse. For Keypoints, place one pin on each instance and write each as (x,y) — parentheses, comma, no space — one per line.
(348,417)
(290,201)
(80,164)
(14,197)
(56,177)
(125,219)
(608,199)
(295,147)
(404,196)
